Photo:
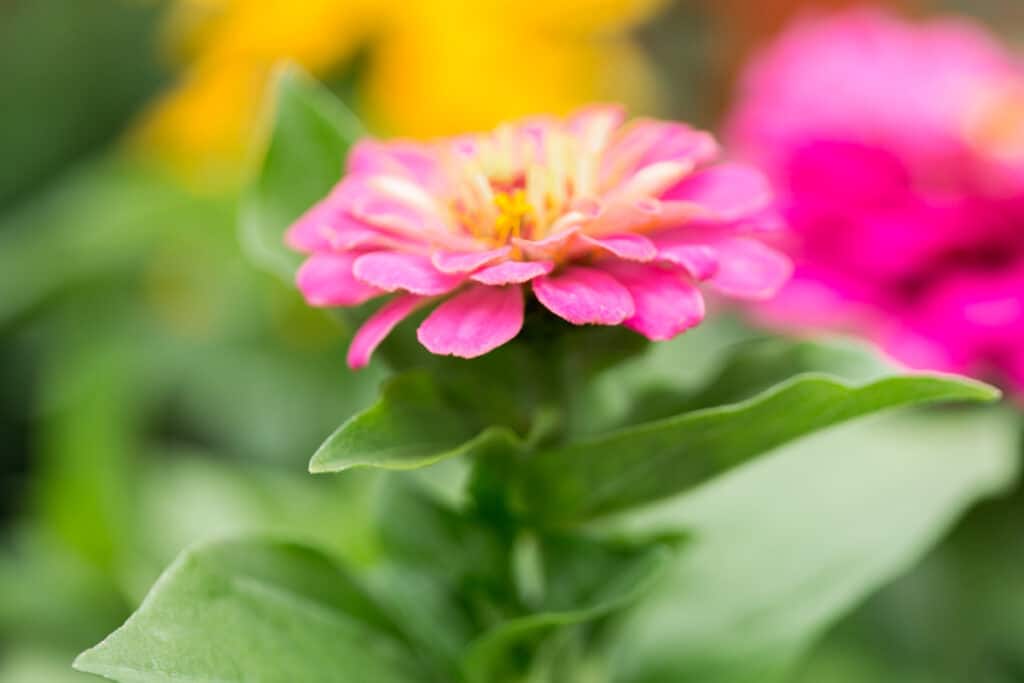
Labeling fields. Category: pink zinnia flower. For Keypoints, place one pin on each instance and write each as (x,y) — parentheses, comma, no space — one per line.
(603,223)
(898,153)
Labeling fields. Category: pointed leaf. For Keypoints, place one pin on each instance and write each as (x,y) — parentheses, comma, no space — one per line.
(254,611)
(414,424)
(309,139)
(650,461)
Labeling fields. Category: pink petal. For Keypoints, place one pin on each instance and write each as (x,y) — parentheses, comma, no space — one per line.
(547,247)
(327,225)
(695,232)
(595,124)
(748,269)
(384,212)
(512,272)
(466,261)
(731,191)
(666,304)
(623,215)
(473,322)
(341,233)
(379,325)
(675,213)
(581,209)
(326,279)
(392,270)
(628,246)
(698,260)
(310,232)
(409,194)
(643,143)
(384,208)
(584,295)
(414,160)
(767,220)
(653,180)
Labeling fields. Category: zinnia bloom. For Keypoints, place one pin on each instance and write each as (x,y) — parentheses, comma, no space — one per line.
(898,153)
(603,223)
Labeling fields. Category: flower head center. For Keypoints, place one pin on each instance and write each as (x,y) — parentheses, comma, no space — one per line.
(518,183)
(513,213)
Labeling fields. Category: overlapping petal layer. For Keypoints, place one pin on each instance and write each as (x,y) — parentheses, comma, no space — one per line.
(603,222)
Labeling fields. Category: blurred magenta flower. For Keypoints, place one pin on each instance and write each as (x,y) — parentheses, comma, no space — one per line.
(898,153)
(608,223)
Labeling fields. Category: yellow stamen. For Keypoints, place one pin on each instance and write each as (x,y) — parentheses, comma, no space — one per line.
(513,211)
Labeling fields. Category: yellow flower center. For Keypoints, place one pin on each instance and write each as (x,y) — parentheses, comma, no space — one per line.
(513,212)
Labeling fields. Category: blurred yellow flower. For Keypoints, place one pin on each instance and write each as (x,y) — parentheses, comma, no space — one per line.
(434,66)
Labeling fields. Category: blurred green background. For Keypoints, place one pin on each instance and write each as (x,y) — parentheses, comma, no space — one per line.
(158,390)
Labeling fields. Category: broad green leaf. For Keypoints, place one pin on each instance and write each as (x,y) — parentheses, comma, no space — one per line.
(417,529)
(958,616)
(443,570)
(785,545)
(259,612)
(453,407)
(722,361)
(430,612)
(414,424)
(305,155)
(647,462)
(582,581)
(755,365)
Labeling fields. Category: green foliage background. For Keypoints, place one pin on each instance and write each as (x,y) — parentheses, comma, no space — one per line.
(161,391)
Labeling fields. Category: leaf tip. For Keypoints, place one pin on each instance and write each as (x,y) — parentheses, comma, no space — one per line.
(972,389)
(87,661)
(987,392)
(319,465)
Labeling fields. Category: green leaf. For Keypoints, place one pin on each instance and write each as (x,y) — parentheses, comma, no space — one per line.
(414,424)
(305,155)
(958,616)
(415,528)
(444,570)
(623,393)
(647,462)
(254,611)
(430,613)
(784,546)
(756,365)
(584,580)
